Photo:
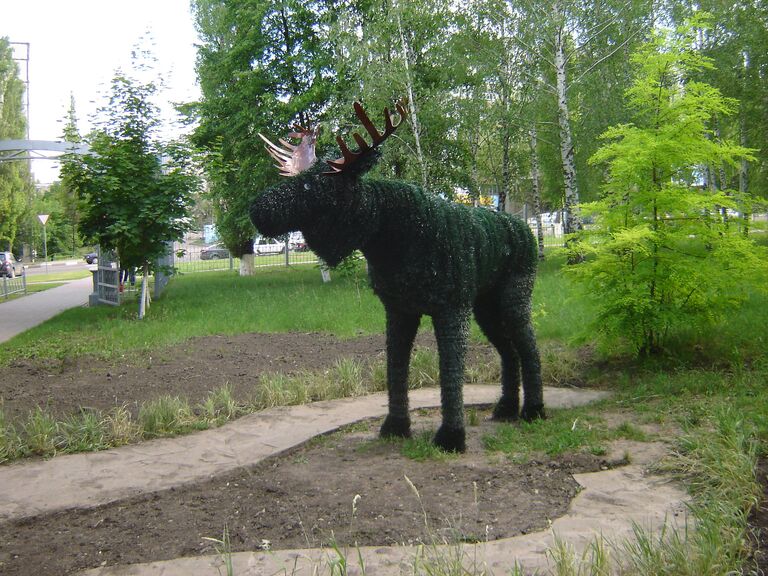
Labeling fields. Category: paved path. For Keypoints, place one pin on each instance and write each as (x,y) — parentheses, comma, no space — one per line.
(23,313)
(609,504)
(90,479)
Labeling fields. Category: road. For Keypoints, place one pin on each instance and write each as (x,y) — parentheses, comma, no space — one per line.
(53,267)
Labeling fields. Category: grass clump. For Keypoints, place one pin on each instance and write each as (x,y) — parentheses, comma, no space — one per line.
(563,431)
(11,446)
(220,406)
(40,431)
(165,416)
(83,432)
(420,447)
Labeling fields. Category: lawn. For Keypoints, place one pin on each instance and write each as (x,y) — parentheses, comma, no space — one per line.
(709,383)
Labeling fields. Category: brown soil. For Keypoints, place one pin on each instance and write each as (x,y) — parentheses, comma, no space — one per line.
(299,499)
(190,370)
(305,498)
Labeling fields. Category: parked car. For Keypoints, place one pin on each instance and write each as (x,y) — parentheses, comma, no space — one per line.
(297,243)
(91,257)
(264,245)
(214,252)
(7,264)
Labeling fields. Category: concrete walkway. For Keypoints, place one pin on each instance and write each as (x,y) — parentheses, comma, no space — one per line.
(23,313)
(609,504)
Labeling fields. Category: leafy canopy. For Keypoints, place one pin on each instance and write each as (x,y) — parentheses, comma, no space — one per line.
(15,179)
(135,192)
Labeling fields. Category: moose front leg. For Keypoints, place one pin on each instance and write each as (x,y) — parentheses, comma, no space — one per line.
(451,332)
(401,331)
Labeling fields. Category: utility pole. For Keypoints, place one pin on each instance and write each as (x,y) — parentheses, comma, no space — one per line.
(43,219)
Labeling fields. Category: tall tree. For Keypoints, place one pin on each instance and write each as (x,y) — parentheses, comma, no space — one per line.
(574,41)
(16,185)
(135,191)
(393,49)
(263,66)
(67,194)
(737,43)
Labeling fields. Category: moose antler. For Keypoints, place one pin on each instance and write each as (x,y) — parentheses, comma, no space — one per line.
(348,156)
(293,159)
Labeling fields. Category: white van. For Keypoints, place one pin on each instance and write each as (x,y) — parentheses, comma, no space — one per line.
(264,245)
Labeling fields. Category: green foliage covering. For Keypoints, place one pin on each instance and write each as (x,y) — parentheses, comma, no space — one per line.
(426,256)
(662,253)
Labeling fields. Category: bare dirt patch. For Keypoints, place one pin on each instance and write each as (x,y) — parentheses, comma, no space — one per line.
(295,500)
(305,499)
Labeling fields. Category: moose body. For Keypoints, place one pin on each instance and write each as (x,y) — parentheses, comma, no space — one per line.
(426,256)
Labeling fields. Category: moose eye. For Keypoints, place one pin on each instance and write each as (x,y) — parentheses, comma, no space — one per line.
(306,186)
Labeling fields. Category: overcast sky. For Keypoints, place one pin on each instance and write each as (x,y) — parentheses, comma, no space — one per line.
(75,46)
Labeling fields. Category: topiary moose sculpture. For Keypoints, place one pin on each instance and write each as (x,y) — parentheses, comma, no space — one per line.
(425,256)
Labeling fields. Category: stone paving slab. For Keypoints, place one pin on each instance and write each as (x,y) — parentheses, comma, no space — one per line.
(90,479)
(21,314)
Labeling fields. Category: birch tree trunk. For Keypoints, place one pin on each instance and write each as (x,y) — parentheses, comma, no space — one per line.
(246,265)
(144,299)
(534,145)
(412,112)
(571,221)
(746,209)
(506,173)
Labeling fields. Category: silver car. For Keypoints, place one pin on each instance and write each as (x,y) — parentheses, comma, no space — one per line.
(7,264)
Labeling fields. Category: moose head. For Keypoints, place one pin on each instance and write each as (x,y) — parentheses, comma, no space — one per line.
(321,198)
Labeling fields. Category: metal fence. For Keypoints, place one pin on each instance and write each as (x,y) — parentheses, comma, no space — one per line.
(194,258)
(16,285)
(551,232)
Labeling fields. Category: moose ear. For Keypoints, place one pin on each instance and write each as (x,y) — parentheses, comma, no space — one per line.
(355,164)
(294,159)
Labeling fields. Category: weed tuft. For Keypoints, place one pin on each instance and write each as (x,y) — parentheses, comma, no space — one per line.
(165,416)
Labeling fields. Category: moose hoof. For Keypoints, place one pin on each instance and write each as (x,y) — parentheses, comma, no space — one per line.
(504,412)
(396,427)
(451,439)
(531,413)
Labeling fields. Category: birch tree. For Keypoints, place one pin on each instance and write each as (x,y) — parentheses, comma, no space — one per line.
(573,41)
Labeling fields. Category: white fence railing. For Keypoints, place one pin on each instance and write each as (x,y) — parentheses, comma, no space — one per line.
(17,285)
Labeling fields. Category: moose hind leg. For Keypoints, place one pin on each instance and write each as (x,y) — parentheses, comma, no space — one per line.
(520,328)
(451,331)
(401,331)
(489,317)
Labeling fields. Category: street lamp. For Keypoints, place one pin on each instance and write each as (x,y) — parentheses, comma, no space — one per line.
(43,219)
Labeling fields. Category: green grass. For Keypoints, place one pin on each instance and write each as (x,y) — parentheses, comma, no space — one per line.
(563,431)
(281,300)
(709,383)
(62,276)
(420,448)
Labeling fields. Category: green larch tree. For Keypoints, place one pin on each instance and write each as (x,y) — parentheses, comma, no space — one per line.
(660,254)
